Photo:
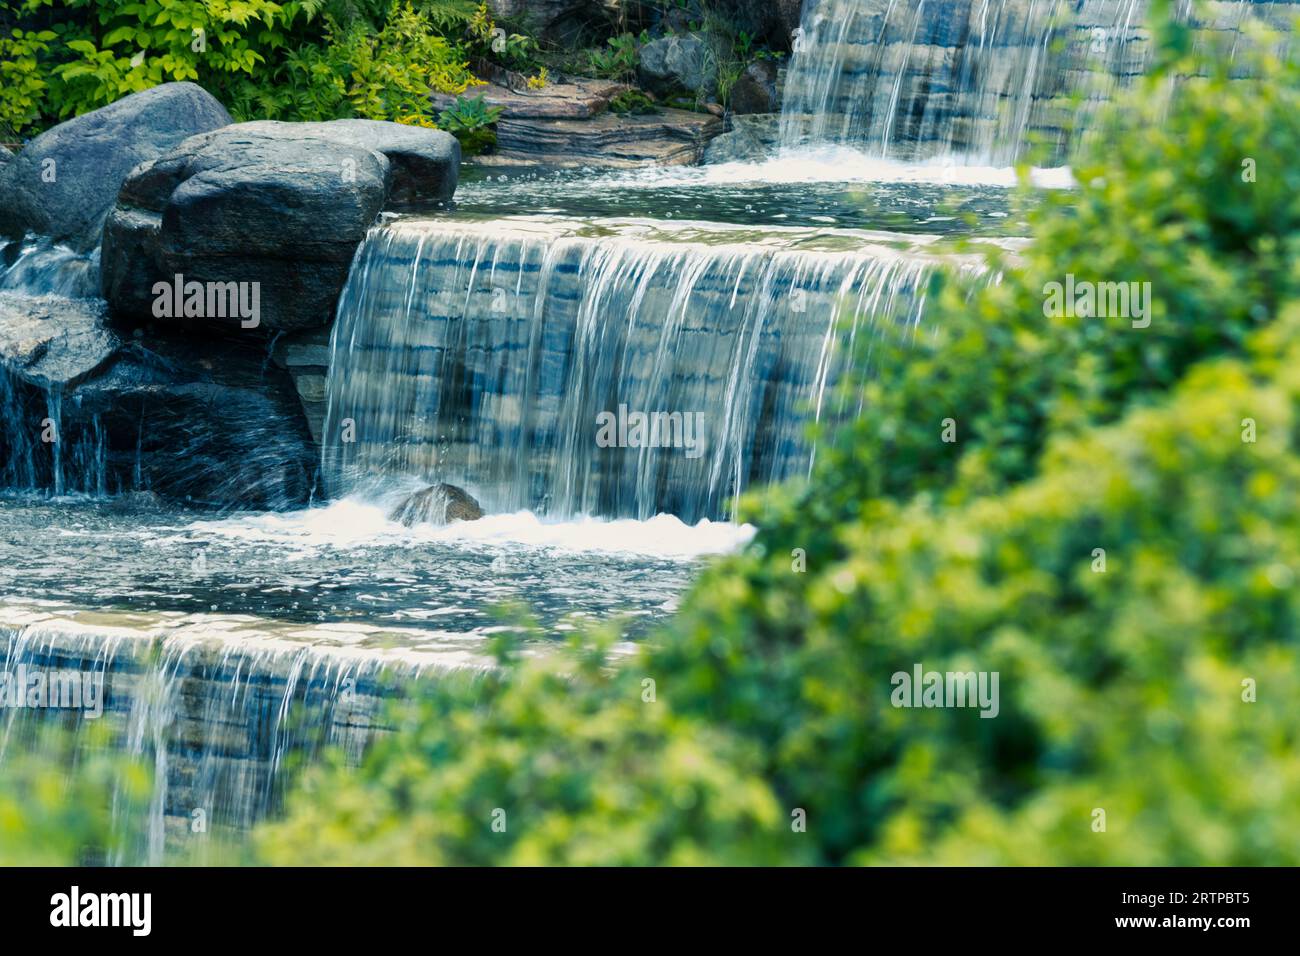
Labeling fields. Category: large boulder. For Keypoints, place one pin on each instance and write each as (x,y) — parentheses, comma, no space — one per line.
(425,162)
(64,182)
(277,209)
(674,63)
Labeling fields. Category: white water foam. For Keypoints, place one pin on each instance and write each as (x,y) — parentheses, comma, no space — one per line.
(353,522)
(841,164)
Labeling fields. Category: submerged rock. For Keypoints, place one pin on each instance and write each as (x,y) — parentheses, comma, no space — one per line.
(437,504)
(277,209)
(64,182)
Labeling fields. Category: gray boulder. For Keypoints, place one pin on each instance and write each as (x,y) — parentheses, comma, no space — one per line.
(425,162)
(755,91)
(675,63)
(51,341)
(437,504)
(63,183)
(752,137)
(278,209)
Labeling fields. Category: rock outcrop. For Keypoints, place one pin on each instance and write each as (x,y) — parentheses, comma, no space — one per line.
(437,504)
(756,90)
(275,208)
(751,138)
(676,63)
(51,341)
(64,182)
(568,123)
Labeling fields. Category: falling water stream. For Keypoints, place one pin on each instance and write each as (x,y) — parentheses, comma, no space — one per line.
(983,82)
(491,354)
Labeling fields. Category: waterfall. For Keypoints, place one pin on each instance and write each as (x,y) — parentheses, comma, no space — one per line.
(974,81)
(492,358)
(36,266)
(218,708)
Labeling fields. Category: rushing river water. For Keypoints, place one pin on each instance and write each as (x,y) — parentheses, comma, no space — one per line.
(347,562)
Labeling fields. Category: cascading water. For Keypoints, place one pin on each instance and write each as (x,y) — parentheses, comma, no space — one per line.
(214,712)
(40,281)
(493,358)
(36,266)
(972,81)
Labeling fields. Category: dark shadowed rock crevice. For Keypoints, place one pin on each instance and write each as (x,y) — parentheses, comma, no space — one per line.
(206,422)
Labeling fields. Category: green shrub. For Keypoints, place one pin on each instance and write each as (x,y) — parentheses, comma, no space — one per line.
(620,60)
(300,60)
(22,83)
(66,800)
(471,121)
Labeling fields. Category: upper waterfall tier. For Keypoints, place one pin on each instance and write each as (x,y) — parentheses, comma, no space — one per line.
(977,81)
(518,357)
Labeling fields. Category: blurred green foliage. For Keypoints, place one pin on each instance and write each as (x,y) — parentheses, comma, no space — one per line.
(68,796)
(1125,690)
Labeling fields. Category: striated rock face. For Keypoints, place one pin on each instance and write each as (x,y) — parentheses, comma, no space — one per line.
(438,504)
(64,182)
(495,354)
(278,208)
(569,124)
(982,81)
(220,678)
